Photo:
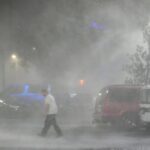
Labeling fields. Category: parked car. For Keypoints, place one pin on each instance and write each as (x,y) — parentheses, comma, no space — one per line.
(27,97)
(119,105)
(8,110)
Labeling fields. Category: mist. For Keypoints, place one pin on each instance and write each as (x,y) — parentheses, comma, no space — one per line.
(68,44)
(59,43)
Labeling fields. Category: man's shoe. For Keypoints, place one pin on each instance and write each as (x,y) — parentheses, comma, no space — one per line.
(41,135)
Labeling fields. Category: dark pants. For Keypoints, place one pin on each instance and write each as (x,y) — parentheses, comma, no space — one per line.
(51,121)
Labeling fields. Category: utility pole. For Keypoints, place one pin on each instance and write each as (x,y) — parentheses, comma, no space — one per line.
(147,38)
(3,68)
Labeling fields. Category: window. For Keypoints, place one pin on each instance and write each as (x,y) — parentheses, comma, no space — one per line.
(124,94)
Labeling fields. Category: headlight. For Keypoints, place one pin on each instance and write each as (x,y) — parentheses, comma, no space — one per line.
(1,101)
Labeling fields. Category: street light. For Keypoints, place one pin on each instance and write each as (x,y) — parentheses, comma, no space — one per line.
(34,48)
(14,57)
(82,82)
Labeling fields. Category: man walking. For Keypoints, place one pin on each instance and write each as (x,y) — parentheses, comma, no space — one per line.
(51,112)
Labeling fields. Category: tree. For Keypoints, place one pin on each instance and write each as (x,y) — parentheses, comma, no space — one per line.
(137,66)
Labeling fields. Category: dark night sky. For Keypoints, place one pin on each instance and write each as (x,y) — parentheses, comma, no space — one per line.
(74,38)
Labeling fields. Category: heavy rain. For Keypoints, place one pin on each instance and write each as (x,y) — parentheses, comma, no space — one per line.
(85,63)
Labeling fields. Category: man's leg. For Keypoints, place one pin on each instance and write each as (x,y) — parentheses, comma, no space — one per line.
(47,125)
(56,127)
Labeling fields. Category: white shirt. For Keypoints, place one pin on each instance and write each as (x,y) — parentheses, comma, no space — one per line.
(50,100)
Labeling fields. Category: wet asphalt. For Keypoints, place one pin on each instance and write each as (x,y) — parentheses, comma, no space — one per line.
(23,134)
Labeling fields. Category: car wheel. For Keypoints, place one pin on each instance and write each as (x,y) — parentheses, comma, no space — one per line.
(129,121)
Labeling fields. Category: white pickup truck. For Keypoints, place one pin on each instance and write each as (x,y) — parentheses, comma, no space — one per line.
(145,106)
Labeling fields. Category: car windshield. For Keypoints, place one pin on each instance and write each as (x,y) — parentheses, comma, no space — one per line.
(11,90)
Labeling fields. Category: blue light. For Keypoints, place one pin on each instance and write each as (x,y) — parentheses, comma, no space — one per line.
(97,26)
(27,95)
(26,88)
